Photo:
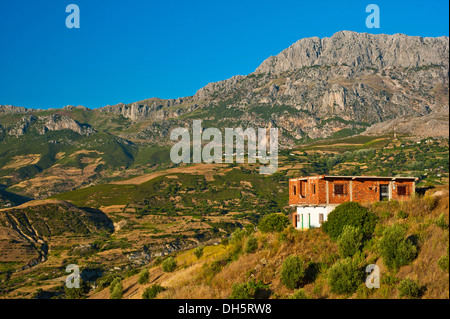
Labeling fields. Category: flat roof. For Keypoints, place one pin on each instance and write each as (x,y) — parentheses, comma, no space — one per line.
(393,178)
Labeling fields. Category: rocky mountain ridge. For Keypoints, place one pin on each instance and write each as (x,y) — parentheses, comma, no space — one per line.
(53,122)
(316,88)
(360,50)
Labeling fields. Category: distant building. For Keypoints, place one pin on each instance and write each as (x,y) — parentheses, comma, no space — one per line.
(316,196)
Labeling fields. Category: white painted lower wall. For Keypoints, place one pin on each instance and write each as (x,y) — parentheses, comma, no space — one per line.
(309,216)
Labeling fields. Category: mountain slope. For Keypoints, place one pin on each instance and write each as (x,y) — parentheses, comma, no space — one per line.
(26,231)
(221,267)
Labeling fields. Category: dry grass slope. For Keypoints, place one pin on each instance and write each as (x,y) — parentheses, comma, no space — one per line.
(213,275)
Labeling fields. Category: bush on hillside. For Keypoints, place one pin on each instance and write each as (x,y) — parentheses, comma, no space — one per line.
(152,292)
(402,215)
(198,252)
(252,244)
(117,291)
(78,293)
(169,264)
(299,294)
(143,277)
(275,222)
(345,276)
(250,290)
(115,281)
(349,241)
(440,221)
(249,229)
(353,214)
(443,261)
(236,236)
(410,289)
(293,272)
(395,248)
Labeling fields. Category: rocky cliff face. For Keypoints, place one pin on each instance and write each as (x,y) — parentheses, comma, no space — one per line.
(22,127)
(53,122)
(9,109)
(360,50)
(156,109)
(56,122)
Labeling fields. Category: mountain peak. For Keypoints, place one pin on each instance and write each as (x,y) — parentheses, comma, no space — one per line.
(360,50)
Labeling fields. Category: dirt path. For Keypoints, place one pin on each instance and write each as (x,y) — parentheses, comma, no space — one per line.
(35,203)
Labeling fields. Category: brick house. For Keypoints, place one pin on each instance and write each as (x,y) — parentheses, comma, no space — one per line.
(316,196)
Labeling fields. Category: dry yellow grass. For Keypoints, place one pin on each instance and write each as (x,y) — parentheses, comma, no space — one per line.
(201,169)
(22,161)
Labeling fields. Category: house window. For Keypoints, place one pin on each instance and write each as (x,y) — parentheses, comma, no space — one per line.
(320,218)
(401,190)
(314,188)
(339,189)
(302,189)
(384,192)
(295,190)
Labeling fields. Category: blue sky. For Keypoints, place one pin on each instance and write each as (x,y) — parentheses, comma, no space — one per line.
(126,51)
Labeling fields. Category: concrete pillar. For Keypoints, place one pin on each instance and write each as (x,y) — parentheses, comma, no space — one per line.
(391,184)
(351,190)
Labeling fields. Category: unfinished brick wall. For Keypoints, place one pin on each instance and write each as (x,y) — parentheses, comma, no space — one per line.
(342,190)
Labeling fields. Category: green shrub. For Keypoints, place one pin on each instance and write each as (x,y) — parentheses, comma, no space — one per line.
(283,237)
(349,241)
(143,277)
(250,290)
(440,221)
(395,248)
(293,272)
(198,252)
(252,244)
(169,264)
(115,282)
(77,293)
(409,288)
(236,236)
(299,294)
(275,222)
(443,261)
(249,229)
(385,215)
(212,269)
(105,281)
(430,201)
(117,291)
(353,214)
(345,276)
(152,292)
(402,215)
